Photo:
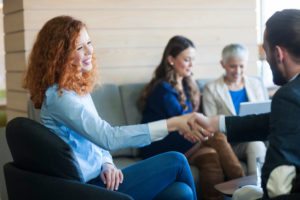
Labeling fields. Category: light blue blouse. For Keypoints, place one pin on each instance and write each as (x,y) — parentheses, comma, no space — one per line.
(75,119)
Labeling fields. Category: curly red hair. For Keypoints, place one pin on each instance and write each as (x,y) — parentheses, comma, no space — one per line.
(51,61)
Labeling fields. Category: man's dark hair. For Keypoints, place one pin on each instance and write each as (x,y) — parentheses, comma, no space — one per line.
(283,29)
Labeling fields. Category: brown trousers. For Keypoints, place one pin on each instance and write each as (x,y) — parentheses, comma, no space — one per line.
(216,161)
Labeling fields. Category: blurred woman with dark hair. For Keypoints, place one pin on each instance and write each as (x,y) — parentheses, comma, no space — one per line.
(173,92)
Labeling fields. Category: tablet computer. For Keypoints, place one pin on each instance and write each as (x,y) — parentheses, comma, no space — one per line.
(258,107)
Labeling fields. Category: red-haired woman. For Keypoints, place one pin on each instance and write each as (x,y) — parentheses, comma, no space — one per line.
(61,74)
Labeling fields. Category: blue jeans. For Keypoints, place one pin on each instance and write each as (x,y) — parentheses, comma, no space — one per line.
(173,142)
(165,176)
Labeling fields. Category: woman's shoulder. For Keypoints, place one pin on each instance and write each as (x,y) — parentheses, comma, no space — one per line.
(52,91)
(53,94)
(164,87)
(213,84)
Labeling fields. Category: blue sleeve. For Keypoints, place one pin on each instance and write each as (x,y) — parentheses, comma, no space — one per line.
(172,105)
(162,103)
(79,114)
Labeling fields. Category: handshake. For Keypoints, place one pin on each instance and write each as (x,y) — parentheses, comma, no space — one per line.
(194,127)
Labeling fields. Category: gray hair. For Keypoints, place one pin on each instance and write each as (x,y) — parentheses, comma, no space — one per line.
(234,51)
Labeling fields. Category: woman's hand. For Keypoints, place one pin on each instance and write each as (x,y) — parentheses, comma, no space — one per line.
(111,176)
(211,124)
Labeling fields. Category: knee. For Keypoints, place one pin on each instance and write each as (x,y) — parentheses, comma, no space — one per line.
(257,148)
(175,157)
(220,137)
(206,150)
(182,192)
(206,158)
(203,151)
(176,191)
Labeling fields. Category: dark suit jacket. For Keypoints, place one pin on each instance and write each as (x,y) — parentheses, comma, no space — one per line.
(281,127)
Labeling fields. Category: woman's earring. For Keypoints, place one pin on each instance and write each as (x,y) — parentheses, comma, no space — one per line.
(171,63)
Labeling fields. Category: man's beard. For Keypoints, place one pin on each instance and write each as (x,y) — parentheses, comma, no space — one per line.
(278,78)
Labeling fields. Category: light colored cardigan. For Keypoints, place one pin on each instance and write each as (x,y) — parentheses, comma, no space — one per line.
(217,99)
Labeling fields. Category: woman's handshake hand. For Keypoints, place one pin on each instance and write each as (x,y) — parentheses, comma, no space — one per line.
(193,127)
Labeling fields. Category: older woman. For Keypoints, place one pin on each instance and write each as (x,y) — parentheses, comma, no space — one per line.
(224,95)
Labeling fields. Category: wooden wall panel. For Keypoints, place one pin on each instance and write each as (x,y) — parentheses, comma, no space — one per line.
(17,101)
(2,65)
(14,42)
(138,4)
(144,74)
(129,36)
(16,79)
(123,57)
(13,22)
(146,19)
(15,61)
(11,6)
(13,114)
(136,38)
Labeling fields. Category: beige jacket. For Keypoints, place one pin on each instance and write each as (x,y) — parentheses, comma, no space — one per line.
(217,99)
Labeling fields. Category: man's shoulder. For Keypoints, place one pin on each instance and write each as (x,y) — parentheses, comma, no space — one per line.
(290,91)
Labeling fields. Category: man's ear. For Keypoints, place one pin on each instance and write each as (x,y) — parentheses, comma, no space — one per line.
(279,53)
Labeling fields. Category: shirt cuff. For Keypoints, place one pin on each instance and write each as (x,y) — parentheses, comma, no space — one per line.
(107,159)
(222,125)
(158,130)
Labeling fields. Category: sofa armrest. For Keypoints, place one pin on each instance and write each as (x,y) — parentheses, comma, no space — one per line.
(23,184)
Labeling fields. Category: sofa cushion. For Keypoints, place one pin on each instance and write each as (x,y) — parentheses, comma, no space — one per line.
(130,94)
(107,101)
(202,82)
(32,112)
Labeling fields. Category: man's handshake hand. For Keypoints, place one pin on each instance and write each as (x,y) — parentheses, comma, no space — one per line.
(211,124)
(194,127)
